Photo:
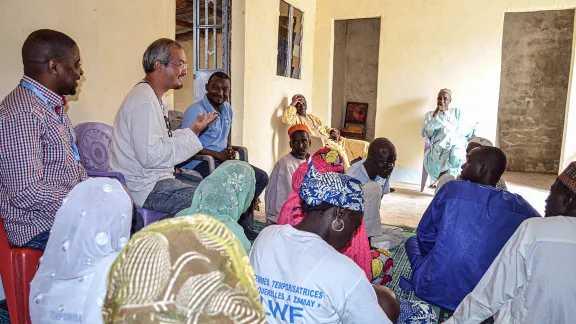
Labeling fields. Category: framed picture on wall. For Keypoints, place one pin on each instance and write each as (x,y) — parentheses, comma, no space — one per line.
(356,112)
(355,120)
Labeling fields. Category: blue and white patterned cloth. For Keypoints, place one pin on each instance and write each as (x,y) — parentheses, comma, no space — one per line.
(416,312)
(334,188)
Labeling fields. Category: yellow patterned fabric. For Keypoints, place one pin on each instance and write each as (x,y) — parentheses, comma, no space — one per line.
(355,148)
(350,149)
(315,125)
(353,129)
(188,269)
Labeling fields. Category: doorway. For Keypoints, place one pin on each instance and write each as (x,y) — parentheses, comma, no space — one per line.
(355,69)
(203,30)
(536,58)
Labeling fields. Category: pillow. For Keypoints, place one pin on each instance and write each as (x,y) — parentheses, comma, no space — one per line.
(353,129)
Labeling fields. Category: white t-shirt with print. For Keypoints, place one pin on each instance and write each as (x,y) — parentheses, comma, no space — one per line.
(302,279)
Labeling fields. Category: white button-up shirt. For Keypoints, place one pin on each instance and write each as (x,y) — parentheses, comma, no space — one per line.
(141,148)
(531,280)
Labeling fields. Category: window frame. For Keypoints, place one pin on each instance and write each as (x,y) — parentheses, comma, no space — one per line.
(289,37)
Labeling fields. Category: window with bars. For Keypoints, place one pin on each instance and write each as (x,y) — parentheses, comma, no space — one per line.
(290,30)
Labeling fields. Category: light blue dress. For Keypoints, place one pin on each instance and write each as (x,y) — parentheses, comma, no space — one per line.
(448,137)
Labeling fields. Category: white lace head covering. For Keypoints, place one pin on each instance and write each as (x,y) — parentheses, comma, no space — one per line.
(480,140)
(89,231)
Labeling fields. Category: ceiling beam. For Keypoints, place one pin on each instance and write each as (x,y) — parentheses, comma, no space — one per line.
(185,36)
(184,24)
(181,3)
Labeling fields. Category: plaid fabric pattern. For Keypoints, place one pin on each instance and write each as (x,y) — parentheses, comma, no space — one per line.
(37,165)
(568,176)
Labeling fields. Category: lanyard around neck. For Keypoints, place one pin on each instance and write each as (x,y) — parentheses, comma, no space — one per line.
(159,100)
(52,108)
(166,121)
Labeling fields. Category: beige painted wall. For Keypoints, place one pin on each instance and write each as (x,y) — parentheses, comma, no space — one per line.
(424,46)
(265,94)
(339,73)
(455,43)
(112,36)
(184,97)
(237,68)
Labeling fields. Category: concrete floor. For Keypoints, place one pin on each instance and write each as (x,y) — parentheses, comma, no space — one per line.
(406,206)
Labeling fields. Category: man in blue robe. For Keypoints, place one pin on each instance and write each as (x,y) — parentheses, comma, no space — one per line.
(463,230)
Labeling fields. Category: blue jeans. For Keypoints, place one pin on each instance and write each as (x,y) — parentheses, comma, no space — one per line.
(172,195)
(38,242)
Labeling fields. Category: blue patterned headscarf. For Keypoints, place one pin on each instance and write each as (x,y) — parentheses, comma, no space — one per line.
(334,188)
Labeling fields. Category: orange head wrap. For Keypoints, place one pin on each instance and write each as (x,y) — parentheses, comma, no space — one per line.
(298,127)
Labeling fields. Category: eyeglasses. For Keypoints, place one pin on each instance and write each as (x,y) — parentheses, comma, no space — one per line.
(181,65)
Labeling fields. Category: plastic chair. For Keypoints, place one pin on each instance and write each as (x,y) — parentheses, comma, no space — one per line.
(424,172)
(149,216)
(17,268)
(242,154)
(114,175)
(94,141)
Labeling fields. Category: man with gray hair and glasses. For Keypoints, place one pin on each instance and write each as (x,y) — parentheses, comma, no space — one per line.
(143,148)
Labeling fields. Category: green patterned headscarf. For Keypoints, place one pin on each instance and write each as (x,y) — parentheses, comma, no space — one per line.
(225,194)
(183,270)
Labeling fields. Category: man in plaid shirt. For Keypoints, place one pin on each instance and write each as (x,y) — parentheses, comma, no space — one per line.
(39,160)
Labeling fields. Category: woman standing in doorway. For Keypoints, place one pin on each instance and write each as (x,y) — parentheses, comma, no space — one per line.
(447,138)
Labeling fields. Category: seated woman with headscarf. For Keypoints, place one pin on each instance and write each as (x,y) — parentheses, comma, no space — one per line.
(225,195)
(90,230)
(300,274)
(292,213)
(448,135)
(183,270)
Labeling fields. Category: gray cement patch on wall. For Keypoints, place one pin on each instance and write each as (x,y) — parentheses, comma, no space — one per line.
(536,56)
(355,69)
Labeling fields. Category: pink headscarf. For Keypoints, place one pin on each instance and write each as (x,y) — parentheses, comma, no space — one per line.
(326,160)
